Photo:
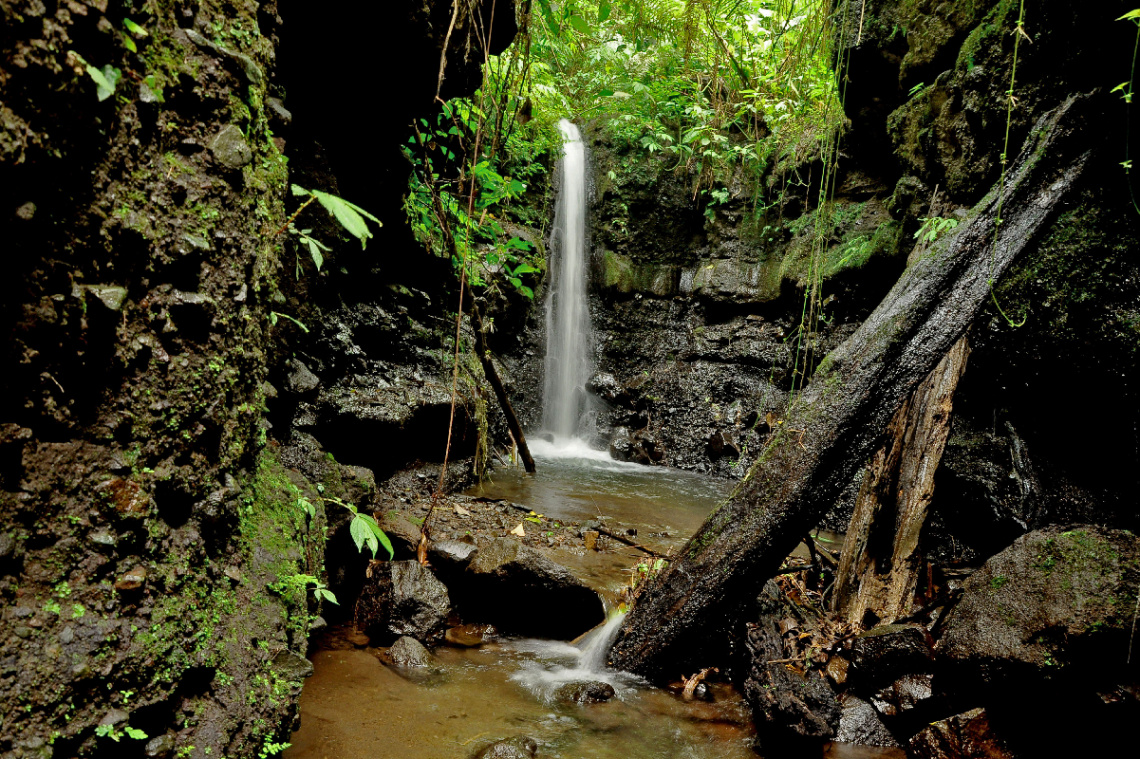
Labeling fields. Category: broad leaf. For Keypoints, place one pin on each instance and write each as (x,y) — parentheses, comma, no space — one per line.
(361,535)
(351,217)
(105,80)
(134,28)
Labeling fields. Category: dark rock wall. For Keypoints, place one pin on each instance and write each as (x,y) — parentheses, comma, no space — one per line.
(153,548)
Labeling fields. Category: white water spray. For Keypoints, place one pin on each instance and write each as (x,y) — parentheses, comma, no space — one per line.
(565,403)
(556,664)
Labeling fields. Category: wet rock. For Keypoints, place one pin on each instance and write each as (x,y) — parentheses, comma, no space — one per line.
(470,635)
(409,652)
(860,723)
(519,590)
(403,598)
(587,692)
(114,717)
(963,736)
(111,296)
(1057,602)
(512,748)
(300,380)
(606,387)
(161,746)
(788,707)
(641,446)
(884,653)
(453,553)
(290,665)
(230,148)
(132,579)
(903,694)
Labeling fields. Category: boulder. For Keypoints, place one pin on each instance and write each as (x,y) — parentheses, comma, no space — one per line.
(512,748)
(860,723)
(584,692)
(884,653)
(1042,636)
(520,591)
(1057,603)
(409,652)
(789,707)
(963,736)
(903,695)
(402,598)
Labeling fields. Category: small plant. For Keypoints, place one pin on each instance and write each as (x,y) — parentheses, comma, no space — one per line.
(934,227)
(290,583)
(363,528)
(110,731)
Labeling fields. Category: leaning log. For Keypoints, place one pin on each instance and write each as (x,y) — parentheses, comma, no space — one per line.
(839,420)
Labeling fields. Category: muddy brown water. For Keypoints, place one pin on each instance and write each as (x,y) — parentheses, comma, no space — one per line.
(355,707)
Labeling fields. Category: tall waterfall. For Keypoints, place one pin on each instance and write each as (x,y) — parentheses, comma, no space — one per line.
(568,366)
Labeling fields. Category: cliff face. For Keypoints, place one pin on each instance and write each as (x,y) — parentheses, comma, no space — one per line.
(153,551)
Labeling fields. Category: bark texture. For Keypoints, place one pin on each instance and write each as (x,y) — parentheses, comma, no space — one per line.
(879,566)
(836,424)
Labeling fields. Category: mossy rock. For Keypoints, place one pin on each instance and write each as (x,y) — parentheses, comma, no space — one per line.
(1058,602)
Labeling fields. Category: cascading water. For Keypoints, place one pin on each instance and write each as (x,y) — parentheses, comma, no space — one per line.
(565,402)
(548,672)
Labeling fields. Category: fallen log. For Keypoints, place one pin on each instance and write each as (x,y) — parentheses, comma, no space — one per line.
(839,420)
(880,560)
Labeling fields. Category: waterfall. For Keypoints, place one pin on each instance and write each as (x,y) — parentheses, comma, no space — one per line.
(564,402)
(596,647)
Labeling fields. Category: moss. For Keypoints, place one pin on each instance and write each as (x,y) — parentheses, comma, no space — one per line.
(988,31)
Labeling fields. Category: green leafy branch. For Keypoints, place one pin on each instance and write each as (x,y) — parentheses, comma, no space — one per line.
(363,528)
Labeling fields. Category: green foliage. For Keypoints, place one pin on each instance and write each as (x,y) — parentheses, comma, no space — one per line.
(365,530)
(351,216)
(112,732)
(302,582)
(464,218)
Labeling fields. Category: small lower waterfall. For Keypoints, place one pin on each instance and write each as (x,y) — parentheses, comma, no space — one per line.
(568,365)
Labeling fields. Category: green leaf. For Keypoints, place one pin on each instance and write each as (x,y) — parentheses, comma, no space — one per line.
(360,534)
(134,28)
(129,43)
(327,595)
(525,269)
(605,93)
(351,217)
(579,24)
(298,190)
(315,252)
(379,534)
(135,733)
(105,80)
(603,10)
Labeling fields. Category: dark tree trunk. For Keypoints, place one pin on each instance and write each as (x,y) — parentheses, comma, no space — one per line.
(492,375)
(835,426)
(880,563)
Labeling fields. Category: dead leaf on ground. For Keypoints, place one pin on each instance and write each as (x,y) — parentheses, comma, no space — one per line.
(519,531)
(462,511)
